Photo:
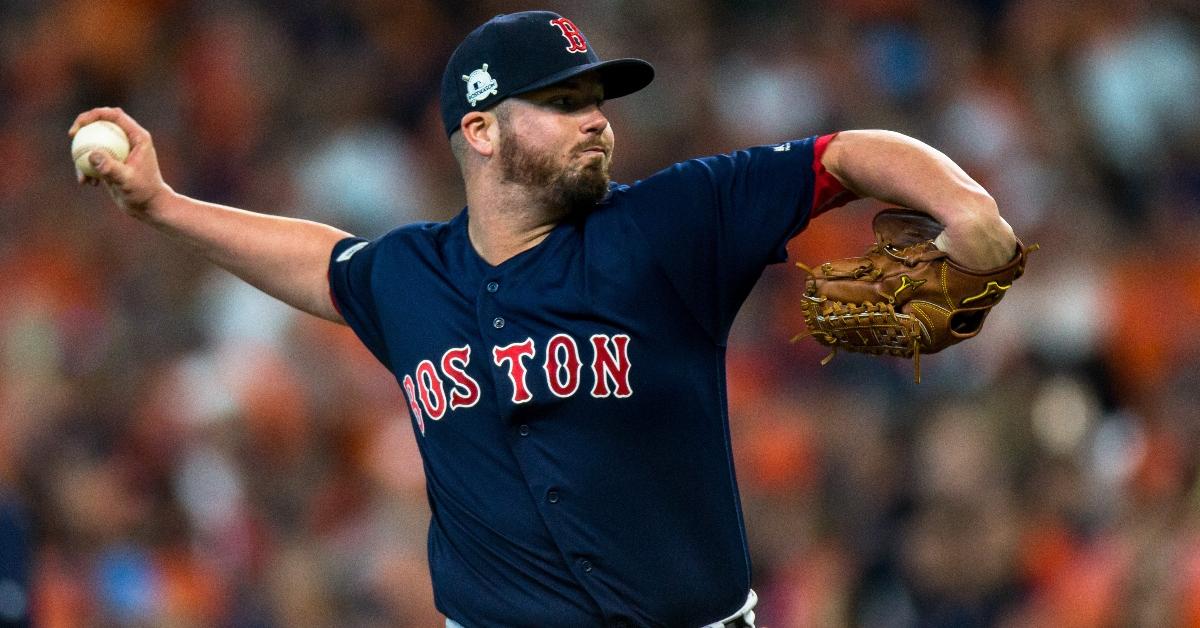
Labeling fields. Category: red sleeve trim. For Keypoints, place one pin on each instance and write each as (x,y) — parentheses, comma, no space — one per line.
(828,192)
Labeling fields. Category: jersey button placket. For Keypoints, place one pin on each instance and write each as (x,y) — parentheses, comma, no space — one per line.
(491,287)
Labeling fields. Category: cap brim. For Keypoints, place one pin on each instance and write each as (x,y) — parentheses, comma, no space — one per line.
(619,77)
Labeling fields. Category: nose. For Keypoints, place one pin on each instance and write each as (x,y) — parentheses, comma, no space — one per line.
(594,121)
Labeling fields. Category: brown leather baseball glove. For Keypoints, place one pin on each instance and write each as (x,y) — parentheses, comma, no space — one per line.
(904,297)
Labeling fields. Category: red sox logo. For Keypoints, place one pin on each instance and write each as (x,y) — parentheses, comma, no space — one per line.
(562,366)
(572,34)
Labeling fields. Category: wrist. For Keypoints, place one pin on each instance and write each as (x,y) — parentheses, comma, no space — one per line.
(156,209)
(979,243)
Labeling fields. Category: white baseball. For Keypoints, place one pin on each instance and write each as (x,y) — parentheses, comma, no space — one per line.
(101,135)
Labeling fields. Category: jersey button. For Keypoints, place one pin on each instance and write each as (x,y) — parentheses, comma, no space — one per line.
(586,565)
(552,497)
(523,430)
(492,286)
(498,322)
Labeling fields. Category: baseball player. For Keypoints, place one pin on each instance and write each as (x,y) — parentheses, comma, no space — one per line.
(561,341)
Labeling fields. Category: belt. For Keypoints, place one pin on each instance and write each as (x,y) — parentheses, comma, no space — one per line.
(743,618)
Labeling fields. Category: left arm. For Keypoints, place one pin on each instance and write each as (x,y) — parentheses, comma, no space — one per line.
(898,169)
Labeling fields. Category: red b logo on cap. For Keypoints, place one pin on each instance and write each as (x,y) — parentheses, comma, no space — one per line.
(572,34)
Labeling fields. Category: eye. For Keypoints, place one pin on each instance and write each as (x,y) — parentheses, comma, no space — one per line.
(573,102)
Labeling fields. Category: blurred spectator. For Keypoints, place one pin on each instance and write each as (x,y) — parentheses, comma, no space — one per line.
(15,560)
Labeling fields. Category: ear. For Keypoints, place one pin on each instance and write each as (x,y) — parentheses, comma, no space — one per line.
(479,129)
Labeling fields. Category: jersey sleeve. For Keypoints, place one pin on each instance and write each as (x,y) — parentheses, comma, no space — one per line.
(715,223)
(352,266)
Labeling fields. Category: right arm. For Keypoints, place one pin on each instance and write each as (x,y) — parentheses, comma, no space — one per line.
(286,258)
(903,171)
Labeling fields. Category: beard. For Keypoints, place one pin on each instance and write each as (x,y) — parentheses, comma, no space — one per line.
(571,187)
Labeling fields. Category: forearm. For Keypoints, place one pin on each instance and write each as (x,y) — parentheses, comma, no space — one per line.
(286,258)
(903,171)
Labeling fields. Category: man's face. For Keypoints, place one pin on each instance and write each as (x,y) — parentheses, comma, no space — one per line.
(557,140)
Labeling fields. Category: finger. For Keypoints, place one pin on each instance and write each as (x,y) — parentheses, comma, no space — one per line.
(85,118)
(79,178)
(135,132)
(92,115)
(109,169)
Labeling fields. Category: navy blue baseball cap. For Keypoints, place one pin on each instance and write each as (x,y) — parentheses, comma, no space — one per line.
(521,52)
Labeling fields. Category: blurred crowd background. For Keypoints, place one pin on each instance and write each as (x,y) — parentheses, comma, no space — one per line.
(178,450)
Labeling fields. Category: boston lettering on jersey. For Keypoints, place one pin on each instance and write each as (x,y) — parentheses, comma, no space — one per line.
(562,366)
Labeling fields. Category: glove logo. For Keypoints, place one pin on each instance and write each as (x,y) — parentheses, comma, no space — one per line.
(992,288)
(480,85)
(905,283)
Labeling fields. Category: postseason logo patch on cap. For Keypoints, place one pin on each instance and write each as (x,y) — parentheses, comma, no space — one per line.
(480,85)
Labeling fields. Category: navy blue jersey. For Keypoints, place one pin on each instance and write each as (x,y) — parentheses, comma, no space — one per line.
(569,403)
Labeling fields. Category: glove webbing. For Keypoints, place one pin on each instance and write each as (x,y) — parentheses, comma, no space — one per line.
(878,327)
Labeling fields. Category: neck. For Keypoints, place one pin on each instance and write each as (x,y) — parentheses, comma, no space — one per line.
(507,220)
